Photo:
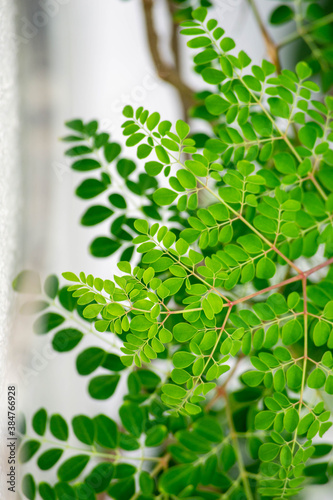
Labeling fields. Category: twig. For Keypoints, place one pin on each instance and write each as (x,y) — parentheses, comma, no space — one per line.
(174,34)
(233,435)
(272,48)
(166,72)
(299,277)
(163,464)
(220,390)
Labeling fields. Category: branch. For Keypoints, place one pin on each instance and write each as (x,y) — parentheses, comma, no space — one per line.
(233,435)
(299,277)
(271,47)
(174,35)
(166,72)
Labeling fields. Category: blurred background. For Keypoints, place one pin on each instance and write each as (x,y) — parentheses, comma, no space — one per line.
(84,59)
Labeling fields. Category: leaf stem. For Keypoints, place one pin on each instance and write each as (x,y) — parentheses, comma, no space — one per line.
(242,470)
(305,30)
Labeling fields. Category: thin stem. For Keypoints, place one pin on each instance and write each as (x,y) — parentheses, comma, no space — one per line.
(283,283)
(242,470)
(114,457)
(305,30)
(305,359)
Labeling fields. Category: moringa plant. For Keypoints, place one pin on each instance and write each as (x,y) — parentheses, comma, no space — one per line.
(220,317)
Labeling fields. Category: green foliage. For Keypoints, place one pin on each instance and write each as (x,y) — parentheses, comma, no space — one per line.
(219,323)
(312,23)
(118,191)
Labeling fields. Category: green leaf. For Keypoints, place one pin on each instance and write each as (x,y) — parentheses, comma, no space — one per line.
(286,456)
(146,483)
(128,111)
(106,432)
(153,168)
(29,487)
(118,201)
(291,332)
(39,422)
(78,150)
(90,188)
(164,196)
(47,322)
(89,360)
(328,310)
(294,377)
(308,136)
(153,120)
(183,332)
(265,268)
(125,167)
(262,125)
(199,41)
(83,428)
(103,386)
(28,450)
(123,489)
(182,129)
(281,14)
(96,214)
(278,107)
(321,333)
(132,418)
(285,163)
(46,492)
(99,478)
(182,359)
(66,340)
(291,419)
(156,435)
(175,479)
(174,391)
(316,379)
(59,427)
(253,378)
(49,458)
(72,468)
(268,451)
(303,70)
(51,286)
(71,277)
(264,420)
(63,490)
(86,164)
(75,125)
(104,247)
(216,105)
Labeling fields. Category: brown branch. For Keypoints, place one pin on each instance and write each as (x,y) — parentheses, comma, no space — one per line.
(299,277)
(164,70)
(220,390)
(174,35)
(162,464)
(234,438)
(271,47)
